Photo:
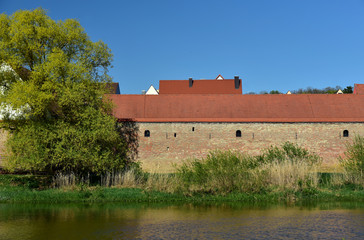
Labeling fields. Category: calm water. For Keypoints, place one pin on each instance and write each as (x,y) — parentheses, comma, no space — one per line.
(140,221)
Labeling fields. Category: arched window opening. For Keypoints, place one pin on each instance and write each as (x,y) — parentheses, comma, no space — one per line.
(146,133)
(193,129)
(175,134)
(238,133)
(346,133)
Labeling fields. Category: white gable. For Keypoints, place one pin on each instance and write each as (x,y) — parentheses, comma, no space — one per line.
(151,91)
(219,77)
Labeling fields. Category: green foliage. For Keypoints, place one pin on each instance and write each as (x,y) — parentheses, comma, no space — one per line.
(219,172)
(59,80)
(26,181)
(288,151)
(223,172)
(310,90)
(353,160)
(60,68)
(348,89)
(274,92)
(91,146)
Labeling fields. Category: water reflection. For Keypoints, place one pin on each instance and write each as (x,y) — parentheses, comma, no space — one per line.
(184,221)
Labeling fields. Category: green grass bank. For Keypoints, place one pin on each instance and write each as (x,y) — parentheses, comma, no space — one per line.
(32,189)
(287,173)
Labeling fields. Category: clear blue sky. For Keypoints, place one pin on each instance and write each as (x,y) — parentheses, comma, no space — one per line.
(280,44)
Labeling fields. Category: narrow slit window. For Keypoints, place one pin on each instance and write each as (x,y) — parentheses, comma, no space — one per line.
(175,134)
(193,129)
(345,133)
(238,133)
(146,133)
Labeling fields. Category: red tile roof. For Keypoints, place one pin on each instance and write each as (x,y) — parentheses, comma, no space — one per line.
(240,108)
(358,89)
(226,86)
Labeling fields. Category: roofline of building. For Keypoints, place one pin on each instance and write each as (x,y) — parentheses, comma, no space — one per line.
(245,120)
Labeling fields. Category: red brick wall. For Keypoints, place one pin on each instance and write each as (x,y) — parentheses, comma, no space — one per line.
(161,150)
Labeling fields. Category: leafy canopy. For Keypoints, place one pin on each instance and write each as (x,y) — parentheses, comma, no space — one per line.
(58,64)
(56,77)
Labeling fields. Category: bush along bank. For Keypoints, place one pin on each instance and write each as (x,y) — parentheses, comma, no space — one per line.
(285,173)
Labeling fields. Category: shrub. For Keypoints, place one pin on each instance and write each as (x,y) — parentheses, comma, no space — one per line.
(219,172)
(353,160)
(289,151)
(287,167)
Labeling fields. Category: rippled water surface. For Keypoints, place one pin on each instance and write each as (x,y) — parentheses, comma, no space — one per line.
(222,221)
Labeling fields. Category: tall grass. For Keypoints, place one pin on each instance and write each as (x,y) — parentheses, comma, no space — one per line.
(129,178)
(291,175)
(286,168)
(353,161)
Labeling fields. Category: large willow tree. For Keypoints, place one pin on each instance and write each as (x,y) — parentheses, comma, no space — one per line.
(54,77)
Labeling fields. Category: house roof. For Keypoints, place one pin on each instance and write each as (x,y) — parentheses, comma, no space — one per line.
(240,108)
(358,89)
(215,86)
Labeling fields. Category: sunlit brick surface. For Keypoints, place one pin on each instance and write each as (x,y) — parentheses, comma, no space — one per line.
(162,149)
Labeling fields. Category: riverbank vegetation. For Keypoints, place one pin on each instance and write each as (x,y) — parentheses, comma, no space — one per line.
(287,173)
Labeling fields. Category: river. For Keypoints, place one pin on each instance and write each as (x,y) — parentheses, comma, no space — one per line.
(182,221)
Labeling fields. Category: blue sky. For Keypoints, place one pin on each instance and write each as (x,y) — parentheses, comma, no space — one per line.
(281,44)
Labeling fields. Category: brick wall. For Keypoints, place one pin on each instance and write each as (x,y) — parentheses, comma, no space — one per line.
(170,143)
(163,149)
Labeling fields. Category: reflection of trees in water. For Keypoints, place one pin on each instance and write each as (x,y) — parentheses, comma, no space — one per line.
(62,221)
(125,221)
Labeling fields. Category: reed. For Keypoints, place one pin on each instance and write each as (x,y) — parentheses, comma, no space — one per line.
(288,167)
(129,178)
(353,160)
(291,175)
(70,180)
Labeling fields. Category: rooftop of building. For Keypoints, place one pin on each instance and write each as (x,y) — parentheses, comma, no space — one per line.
(202,86)
(240,108)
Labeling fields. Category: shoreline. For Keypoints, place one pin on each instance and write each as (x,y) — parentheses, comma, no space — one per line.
(16,194)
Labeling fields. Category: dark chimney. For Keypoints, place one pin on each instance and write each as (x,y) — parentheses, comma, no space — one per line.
(237,82)
(190,81)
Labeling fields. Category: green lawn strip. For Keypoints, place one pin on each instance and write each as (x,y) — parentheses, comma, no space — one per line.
(19,194)
(34,189)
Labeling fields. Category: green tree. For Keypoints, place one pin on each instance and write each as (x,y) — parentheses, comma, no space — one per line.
(348,89)
(60,80)
(274,92)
